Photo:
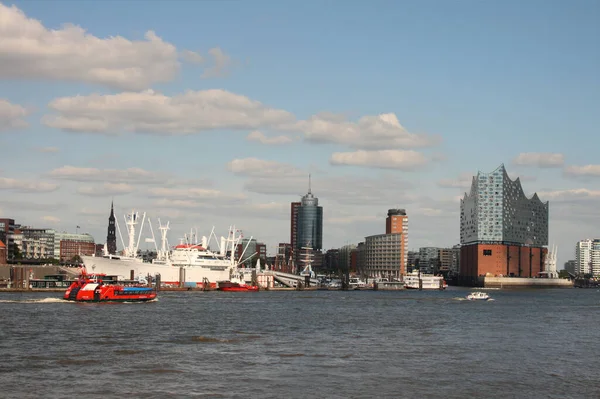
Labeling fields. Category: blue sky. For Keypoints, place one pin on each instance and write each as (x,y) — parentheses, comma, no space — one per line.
(473,84)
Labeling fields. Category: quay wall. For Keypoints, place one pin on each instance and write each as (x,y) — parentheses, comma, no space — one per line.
(388,286)
(524,282)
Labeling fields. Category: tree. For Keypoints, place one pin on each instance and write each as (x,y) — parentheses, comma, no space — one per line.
(76,259)
(17,253)
(563,274)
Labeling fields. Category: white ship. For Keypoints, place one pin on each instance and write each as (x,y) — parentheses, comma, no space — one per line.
(189,264)
(419,281)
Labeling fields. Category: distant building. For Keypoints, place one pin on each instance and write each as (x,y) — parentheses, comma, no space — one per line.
(358,259)
(294,207)
(445,256)
(345,258)
(2,253)
(413,261)
(570,266)
(7,230)
(331,261)
(587,257)
(429,259)
(37,244)
(249,251)
(67,246)
(455,268)
(111,237)
(397,222)
(383,256)
(308,221)
(283,258)
(502,232)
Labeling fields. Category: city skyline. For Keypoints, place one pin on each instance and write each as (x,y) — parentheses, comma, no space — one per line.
(210,115)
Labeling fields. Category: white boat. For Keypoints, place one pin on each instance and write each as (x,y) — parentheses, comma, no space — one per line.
(189,264)
(356,283)
(478,296)
(421,281)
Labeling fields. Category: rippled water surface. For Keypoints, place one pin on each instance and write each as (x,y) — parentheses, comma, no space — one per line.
(317,344)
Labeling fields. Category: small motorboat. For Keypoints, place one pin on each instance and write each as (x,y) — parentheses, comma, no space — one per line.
(91,288)
(478,296)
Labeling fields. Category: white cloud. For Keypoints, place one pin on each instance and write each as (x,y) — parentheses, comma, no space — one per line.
(540,159)
(197,111)
(106,189)
(262,168)
(384,159)
(130,175)
(152,112)
(191,194)
(30,50)
(26,186)
(587,170)
(463,181)
(573,195)
(50,219)
(370,132)
(192,57)
(92,212)
(221,64)
(11,115)
(261,138)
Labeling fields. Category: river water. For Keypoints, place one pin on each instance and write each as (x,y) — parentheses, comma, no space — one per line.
(311,344)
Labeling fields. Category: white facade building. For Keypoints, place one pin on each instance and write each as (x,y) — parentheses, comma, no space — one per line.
(587,257)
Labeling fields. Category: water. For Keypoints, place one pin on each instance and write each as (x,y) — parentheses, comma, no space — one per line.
(311,344)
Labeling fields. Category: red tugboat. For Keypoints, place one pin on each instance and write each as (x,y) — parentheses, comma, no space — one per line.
(89,288)
(236,284)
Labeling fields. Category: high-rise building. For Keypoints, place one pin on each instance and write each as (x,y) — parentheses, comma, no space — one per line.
(309,227)
(111,238)
(397,222)
(386,255)
(502,232)
(587,257)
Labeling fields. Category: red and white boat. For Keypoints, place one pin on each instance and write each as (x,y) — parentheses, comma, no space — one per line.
(235,284)
(91,288)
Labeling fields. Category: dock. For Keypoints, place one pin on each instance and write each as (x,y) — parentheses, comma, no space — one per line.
(524,282)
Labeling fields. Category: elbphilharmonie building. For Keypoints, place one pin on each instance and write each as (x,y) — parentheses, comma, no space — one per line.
(502,232)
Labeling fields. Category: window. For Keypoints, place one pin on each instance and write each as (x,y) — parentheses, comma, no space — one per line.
(487,252)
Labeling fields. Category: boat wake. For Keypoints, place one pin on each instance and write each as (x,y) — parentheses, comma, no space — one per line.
(465,299)
(44,300)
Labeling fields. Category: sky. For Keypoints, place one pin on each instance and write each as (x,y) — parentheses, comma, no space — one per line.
(214,113)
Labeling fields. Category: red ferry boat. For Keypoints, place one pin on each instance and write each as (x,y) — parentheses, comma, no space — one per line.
(90,288)
(235,286)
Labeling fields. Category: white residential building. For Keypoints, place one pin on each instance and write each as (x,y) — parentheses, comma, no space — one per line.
(587,257)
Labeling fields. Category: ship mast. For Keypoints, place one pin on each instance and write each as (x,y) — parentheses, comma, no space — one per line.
(163,254)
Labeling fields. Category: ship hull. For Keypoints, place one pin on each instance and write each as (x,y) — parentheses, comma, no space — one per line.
(236,287)
(169,275)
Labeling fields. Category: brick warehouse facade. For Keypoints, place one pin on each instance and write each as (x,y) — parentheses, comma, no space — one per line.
(501,260)
(502,232)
